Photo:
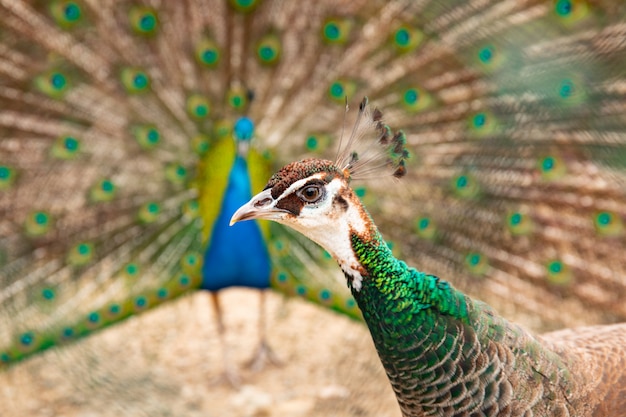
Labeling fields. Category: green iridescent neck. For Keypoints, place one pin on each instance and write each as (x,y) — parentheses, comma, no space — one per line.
(456,353)
(409,290)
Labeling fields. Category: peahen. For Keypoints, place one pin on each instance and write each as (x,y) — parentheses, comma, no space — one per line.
(445,353)
(131,130)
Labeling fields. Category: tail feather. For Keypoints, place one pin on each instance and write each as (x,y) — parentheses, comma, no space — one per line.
(116,139)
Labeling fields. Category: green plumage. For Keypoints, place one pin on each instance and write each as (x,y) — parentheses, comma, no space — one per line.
(446,354)
(117,138)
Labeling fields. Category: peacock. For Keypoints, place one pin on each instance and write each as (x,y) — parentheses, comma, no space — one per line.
(445,353)
(131,131)
(130,249)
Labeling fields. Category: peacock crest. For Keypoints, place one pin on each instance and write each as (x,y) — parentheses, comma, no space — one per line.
(363,157)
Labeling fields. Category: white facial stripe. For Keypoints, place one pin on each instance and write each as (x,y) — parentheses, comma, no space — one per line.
(299,184)
(324,205)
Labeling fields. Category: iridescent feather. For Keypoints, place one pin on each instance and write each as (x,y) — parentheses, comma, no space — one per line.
(116,142)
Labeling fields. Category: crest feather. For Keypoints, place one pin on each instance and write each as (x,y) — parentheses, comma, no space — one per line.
(372,150)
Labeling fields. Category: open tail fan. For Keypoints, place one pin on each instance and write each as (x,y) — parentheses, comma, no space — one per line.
(113,170)
(120,134)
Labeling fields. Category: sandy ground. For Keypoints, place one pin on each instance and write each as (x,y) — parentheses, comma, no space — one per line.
(168,362)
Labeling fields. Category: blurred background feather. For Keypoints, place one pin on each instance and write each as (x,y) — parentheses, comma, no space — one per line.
(125,127)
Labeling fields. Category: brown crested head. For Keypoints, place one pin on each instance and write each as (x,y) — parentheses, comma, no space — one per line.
(314,193)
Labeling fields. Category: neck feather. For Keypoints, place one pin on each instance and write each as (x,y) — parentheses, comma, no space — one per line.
(393,281)
(456,352)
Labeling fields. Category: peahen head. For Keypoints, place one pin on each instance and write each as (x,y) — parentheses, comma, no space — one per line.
(313,196)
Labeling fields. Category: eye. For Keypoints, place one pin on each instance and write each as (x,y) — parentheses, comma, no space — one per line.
(311,193)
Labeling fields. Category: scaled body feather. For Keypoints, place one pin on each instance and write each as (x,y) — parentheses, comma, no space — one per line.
(117,139)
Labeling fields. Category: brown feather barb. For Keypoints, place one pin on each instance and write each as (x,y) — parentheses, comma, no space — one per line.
(118,122)
(365,157)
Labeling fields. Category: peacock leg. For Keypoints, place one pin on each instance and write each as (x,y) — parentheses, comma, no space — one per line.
(264,353)
(229,374)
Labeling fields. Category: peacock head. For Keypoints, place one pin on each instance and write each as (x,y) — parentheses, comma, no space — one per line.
(313,196)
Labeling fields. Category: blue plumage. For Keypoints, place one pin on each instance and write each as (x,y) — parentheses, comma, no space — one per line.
(229,245)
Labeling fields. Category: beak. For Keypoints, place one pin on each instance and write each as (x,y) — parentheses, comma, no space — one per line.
(259,207)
